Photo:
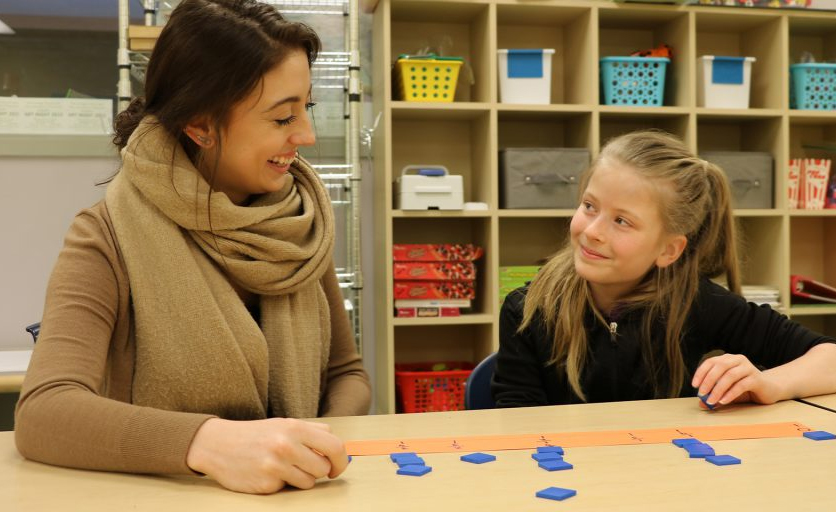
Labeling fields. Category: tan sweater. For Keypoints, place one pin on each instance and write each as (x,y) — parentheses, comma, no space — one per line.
(75,406)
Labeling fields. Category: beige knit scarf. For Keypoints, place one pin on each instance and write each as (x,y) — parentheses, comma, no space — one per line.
(198,349)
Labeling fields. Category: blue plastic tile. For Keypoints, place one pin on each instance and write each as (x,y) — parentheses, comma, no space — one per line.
(685,441)
(819,435)
(722,460)
(478,458)
(539,457)
(704,399)
(409,461)
(550,449)
(414,470)
(556,493)
(397,455)
(698,451)
(555,465)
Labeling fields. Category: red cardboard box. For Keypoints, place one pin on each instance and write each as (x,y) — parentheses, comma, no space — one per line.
(435,290)
(436,252)
(429,312)
(425,271)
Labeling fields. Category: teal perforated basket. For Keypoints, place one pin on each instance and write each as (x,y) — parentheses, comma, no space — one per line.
(813,86)
(633,81)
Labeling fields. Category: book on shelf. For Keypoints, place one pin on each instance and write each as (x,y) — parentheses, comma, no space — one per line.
(805,289)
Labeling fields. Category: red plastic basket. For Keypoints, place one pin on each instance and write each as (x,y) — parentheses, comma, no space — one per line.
(420,389)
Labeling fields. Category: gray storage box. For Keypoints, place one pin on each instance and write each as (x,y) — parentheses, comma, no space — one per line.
(750,174)
(541,177)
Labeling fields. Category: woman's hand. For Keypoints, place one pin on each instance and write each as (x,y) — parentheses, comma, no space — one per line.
(261,457)
(733,378)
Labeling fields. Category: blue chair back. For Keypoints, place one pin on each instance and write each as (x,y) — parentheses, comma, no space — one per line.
(477,389)
(34,330)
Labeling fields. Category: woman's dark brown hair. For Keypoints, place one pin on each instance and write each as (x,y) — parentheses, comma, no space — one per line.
(209,56)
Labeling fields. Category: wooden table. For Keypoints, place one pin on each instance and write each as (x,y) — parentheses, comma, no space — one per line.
(828,401)
(791,473)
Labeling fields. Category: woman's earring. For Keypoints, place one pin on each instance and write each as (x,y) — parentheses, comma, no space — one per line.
(206,141)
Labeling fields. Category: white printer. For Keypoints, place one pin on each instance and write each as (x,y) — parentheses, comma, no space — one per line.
(428,187)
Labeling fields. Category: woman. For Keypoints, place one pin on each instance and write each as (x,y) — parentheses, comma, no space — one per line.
(195,311)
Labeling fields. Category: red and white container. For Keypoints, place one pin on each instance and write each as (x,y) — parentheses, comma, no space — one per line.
(815,177)
(793,182)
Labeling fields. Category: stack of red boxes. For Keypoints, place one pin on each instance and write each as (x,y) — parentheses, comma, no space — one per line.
(433,280)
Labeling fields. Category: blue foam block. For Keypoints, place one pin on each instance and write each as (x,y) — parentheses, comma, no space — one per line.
(704,399)
(556,493)
(555,465)
(409,461)
(395,456)
(550,449)
(698,451)
(685,441)
(819,435)
(478,458)
(539,457)
(414,470)
(722,460)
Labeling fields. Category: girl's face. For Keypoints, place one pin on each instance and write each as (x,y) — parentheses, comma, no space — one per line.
(617,232)
(263,132)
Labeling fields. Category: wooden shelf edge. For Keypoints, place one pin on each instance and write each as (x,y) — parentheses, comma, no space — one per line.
(812,310)
(466,319)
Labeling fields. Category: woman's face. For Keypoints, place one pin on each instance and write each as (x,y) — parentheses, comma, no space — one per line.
(263,133)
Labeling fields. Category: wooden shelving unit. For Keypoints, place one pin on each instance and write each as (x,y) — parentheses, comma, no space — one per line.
(467,135)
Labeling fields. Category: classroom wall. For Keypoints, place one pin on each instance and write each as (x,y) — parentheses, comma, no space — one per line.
(39,196)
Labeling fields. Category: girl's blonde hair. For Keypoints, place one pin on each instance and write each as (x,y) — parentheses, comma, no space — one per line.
(694,201)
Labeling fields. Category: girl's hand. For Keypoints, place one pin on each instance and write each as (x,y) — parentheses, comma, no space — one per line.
(261,457)
(733,378)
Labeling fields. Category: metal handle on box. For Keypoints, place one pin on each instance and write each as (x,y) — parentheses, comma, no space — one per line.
(747,184)
(549,179)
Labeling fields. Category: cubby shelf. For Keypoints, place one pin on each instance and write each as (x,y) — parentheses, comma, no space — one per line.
(467,135)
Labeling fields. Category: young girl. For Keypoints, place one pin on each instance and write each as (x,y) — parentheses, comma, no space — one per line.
(626,310)
(195,311)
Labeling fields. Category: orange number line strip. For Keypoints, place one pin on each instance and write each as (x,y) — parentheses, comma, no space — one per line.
(572,439)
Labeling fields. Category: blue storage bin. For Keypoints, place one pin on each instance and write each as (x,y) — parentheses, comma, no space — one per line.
(634,81)
(813,86)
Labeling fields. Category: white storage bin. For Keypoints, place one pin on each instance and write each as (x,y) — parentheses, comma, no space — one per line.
(724,82)
(525,76)
(428,187)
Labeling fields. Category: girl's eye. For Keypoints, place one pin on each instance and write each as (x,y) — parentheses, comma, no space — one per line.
(286,121)
(621,221)
(588,206)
